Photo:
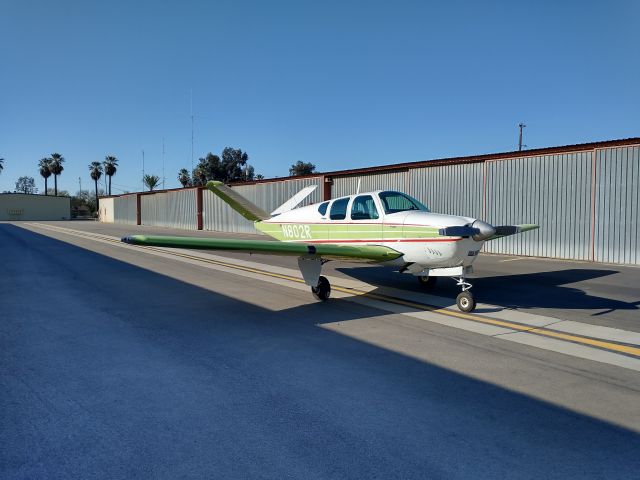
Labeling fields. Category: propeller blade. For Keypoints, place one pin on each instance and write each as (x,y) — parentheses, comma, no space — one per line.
(459,231)
(504,230)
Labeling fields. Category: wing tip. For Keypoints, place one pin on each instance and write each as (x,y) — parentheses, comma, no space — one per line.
(133,239)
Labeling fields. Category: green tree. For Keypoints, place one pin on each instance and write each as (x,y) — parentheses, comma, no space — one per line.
(236,168)
(110,168)
(302,168)
(45,172)
(259,177)
(86,198)
(209,168)
(26,185)
(232,167)
(95,170)
(151,181)
(55,165)
(184,178)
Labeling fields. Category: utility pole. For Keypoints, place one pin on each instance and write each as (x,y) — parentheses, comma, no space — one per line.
(143,170)
(80,184)
(520,145)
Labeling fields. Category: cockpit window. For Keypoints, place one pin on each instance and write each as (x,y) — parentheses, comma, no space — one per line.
(339,209)
(322,209)
(394,202)
(364,208)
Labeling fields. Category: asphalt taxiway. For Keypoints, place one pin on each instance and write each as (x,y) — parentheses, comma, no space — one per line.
(119,361)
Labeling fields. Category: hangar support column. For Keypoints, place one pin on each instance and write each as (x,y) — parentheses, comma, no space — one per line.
(199,208)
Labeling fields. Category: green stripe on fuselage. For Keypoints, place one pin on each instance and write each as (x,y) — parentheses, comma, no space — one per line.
(343,231)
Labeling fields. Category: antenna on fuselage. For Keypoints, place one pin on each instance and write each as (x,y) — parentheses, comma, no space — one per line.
(358,189)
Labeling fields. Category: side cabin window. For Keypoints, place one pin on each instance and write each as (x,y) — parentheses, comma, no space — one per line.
(364,208)
(322,209)
(339,209)
(394,202)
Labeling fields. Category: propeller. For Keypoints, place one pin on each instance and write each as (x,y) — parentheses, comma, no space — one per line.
(479,230)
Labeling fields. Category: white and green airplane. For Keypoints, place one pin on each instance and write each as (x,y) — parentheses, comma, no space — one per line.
(385,227)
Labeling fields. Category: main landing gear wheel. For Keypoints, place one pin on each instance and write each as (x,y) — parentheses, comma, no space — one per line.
(466,302)
(427,282)
(322,291)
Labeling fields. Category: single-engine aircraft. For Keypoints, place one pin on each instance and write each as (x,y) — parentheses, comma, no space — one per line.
(386,227)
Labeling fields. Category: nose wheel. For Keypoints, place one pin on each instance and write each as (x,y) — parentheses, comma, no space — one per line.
(465,301)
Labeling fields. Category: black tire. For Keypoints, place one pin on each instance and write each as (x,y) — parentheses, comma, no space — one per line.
(466,302)
(427,282)
(322,291)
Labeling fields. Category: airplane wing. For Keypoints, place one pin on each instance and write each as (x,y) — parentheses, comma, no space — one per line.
(506,230)
(363,253)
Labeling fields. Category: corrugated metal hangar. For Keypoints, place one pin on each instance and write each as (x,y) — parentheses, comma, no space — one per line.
(21,206)
(584,197)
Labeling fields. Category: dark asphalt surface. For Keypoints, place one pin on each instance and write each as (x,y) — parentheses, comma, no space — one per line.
(108,370)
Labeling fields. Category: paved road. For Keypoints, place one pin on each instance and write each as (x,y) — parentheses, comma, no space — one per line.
(116,364)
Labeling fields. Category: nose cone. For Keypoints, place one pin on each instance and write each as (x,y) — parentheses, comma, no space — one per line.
(486,230)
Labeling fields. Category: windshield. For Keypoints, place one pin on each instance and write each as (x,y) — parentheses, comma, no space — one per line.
(394,202)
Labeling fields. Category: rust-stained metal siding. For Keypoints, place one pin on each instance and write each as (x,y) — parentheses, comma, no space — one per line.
(450,189)
(173,209)
(617,205)
(343,186)
(125,209)
(553,191)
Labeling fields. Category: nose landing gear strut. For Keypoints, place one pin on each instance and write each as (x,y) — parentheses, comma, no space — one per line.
(465,300)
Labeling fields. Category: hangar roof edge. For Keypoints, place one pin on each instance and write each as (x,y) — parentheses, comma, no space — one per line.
(579,147)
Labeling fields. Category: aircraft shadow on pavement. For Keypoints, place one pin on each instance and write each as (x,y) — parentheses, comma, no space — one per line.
(162,355)
(528,290)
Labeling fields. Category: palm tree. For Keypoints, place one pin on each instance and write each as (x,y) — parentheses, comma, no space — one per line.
(151,181)
(184,178)
(199,176)
(45,172)
(55,165)
(1,164)
(110,167)
(95,170)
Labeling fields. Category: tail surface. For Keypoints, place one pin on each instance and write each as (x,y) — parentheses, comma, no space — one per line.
(244,207)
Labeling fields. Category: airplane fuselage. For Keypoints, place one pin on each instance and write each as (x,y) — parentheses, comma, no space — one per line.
(367,219)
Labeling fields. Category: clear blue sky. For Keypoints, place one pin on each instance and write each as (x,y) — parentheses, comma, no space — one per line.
(338,83)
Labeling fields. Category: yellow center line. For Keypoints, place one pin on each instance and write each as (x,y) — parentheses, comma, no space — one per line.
(606,345)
